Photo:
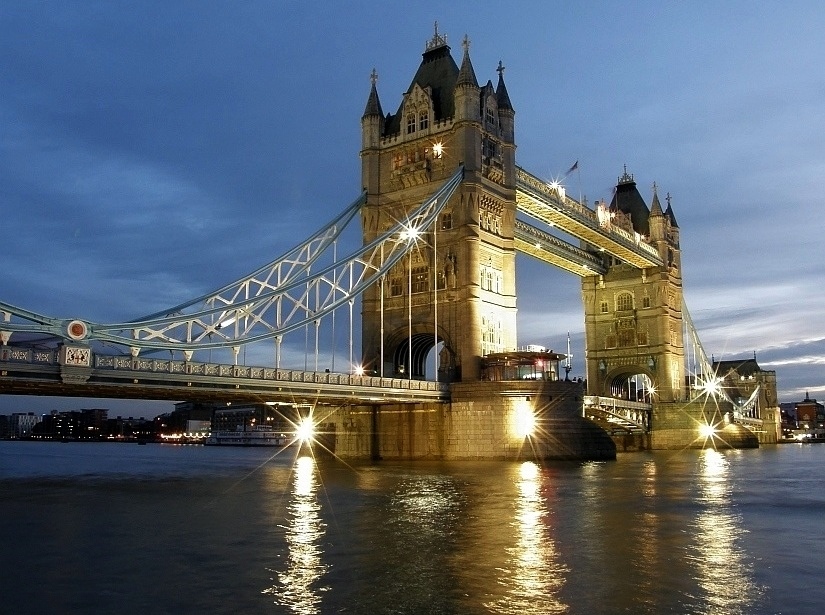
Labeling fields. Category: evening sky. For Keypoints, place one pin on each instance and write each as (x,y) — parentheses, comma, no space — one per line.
(153,151)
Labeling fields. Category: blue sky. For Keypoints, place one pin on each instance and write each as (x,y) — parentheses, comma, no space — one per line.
(152,151)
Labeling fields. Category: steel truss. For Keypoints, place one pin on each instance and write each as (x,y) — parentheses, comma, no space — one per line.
(273,300)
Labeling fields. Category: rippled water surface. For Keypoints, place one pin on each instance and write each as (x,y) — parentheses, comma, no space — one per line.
(121,528)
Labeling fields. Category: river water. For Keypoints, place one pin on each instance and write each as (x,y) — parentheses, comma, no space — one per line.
(122,528)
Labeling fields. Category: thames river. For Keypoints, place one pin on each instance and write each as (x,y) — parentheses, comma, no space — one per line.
(122,528)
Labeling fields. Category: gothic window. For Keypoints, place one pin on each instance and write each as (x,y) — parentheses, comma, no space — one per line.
(490,118)
(490,148)
(411,154)
(397,160)
(627,337)
(491,279)
(490,335)
(396,288)
(604,307)
(420,279)
(424,120)
(646,302)
(410,123)
(440,280)
(446,221)
(624,302)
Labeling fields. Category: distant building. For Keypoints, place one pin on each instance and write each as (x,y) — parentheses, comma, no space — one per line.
(788,410)
(86,424)
(749,385)
(248,416)
(810,416)
(22,423)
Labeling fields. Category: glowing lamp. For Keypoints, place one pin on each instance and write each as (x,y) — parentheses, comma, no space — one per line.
(524,420)
(305,430)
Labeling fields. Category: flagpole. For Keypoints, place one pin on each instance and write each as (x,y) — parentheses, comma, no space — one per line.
(579,176)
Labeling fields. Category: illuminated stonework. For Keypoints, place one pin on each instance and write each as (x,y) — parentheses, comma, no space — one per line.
(457,289)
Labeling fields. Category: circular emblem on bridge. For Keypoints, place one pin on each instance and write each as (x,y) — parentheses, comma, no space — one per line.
(77,329)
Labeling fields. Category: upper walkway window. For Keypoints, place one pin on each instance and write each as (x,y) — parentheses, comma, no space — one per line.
(410,123)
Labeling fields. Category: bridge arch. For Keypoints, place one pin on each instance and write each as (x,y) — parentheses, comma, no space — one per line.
(411,355)
(630,382)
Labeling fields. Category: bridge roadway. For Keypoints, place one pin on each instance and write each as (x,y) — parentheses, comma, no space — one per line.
(26,371)
(535,198)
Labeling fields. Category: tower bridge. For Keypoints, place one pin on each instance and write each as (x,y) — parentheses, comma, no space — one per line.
(444,211)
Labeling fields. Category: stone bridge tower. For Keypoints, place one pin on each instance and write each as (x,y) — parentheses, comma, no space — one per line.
(456,290)
(633,317)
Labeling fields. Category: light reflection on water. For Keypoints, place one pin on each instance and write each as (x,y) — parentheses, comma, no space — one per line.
(534,575)
(297,587)
(113,529)
(721,568)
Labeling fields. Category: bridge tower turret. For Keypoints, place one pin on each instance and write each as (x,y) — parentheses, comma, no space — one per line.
(633,317)
(456,289)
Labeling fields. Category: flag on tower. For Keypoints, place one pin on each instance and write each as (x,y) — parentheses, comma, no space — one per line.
(573,168)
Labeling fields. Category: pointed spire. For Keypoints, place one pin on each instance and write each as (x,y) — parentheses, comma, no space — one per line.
(373,103)
(669,212)
(466,74)
(656,206)
(502,97)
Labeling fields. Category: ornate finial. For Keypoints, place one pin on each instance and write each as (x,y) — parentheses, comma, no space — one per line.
(466,44)
(625,178)
(437,41)
(654,187)
(500,70)
(667,198)
(374,77)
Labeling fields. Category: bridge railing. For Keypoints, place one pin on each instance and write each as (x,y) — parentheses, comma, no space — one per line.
(219,370)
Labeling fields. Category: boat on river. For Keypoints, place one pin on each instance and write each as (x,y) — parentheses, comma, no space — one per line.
(260,435)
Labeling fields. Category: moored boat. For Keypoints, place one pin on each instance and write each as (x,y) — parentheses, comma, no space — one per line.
(259,436)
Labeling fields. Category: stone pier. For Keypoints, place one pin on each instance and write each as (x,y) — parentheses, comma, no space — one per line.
(536,420)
